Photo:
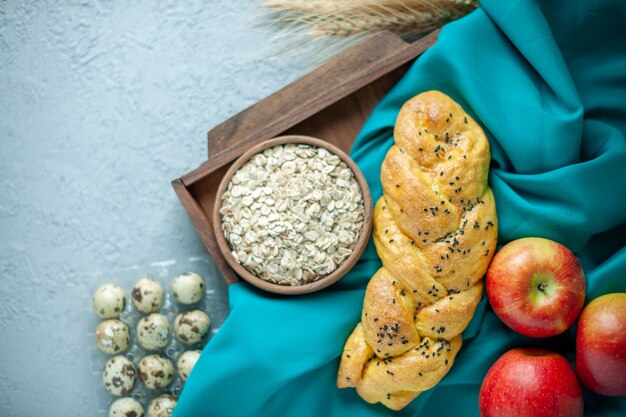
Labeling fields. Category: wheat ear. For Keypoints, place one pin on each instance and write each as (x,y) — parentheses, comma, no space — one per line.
(348,17)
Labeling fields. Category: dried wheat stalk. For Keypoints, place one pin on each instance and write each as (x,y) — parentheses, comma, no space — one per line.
(319,18)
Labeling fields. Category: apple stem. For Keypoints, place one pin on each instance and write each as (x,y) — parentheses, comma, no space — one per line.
(542,286)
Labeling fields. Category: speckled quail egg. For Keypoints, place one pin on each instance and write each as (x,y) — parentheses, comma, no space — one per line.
(118,375)
(162,406)
(147,295)
(186,362)
(153,332)
(155,371)
(191,326)
(126,407)
(188,288)
(109,301)
(112,336)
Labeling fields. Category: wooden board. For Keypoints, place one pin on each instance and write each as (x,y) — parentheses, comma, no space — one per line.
(331,103)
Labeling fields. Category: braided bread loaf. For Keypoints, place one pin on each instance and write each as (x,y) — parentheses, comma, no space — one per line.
(435,230)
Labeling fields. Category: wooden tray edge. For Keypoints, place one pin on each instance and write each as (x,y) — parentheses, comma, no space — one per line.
(181,185)
(281,122)
(203,225)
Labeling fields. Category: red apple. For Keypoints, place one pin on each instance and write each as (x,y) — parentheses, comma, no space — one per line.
(536,286)
(601,345)
(530,383)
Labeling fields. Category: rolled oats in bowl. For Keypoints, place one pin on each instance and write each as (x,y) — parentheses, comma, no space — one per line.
(292,214)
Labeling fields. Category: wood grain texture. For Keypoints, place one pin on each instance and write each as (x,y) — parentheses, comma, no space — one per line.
(325,85)
(194,204)
(340,77)
(331,104)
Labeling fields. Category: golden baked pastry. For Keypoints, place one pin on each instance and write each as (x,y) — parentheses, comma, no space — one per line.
(435,230)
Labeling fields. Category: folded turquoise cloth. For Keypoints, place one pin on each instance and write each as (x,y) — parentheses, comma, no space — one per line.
(547,81)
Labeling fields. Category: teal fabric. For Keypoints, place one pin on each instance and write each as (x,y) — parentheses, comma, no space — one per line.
(547,81)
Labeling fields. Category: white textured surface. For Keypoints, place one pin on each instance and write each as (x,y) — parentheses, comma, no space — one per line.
(102,104)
